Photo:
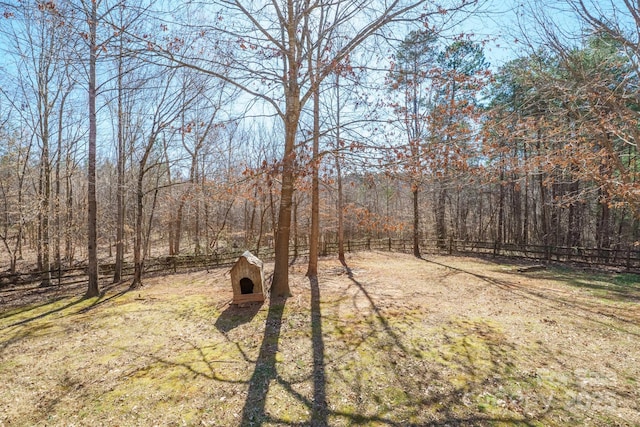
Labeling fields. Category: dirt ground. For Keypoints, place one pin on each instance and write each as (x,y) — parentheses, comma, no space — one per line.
(391,341)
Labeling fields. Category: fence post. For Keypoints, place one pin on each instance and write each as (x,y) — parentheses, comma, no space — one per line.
(389,244)
(628,258)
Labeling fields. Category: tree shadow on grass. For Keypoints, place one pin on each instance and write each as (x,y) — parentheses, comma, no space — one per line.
(612,287)
(379,315)
(265,371)
(253,412)
(45,314)
(582,309)
(319,410)
(200,365)
(24,309)
(53,294)
(437,383)
(100,300)
(616,286)
(234,316)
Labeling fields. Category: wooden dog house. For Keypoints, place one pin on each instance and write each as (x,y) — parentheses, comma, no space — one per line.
(247,279)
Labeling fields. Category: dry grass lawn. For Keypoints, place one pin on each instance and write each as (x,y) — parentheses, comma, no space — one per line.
(395,341)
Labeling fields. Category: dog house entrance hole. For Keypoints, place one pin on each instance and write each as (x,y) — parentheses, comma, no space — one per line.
(246,285)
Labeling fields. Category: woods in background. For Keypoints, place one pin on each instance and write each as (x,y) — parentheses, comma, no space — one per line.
(205,142)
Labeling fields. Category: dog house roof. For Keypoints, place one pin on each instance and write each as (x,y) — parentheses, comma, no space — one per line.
(250,258)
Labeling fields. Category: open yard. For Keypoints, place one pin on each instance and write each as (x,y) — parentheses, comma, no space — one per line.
(393,341)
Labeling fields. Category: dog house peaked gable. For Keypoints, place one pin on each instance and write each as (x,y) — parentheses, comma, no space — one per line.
(247,279)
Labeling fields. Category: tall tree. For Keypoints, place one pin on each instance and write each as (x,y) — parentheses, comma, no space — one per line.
(315,64)
(14,160)
(338,160)
(120,149)
(415,63)
(91,12)
(38,33)
(270,45)
(462,74)
(165,104)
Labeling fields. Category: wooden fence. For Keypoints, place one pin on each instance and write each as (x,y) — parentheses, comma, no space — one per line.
(627,258)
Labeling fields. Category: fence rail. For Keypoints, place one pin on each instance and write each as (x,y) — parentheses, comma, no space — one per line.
(627,258)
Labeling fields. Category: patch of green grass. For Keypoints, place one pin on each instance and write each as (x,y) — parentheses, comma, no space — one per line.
(627,280)
(609,287)
(55,309)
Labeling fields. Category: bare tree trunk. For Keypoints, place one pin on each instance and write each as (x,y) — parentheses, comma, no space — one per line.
(525,220)
(296,241)
(250,229)
(544,206)
(274,218)
(120,202)
(196,234)
(137,245)
(416,221)
(314,236)
(340,201)
(197,178)
(167,109)
(45,202)
(414,143)
(177,230)
(68,233)
(441,227)
(263,211)
(92,250)
(603,228)
(280,282)
(56,208)
(341,256)
(207,227)
(154,203)
(16,252)
(575,211)
(555,213)
(58,191)
(500,234)
(517,212)
(39,238)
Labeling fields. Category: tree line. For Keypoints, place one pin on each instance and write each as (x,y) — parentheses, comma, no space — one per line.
(130,131)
